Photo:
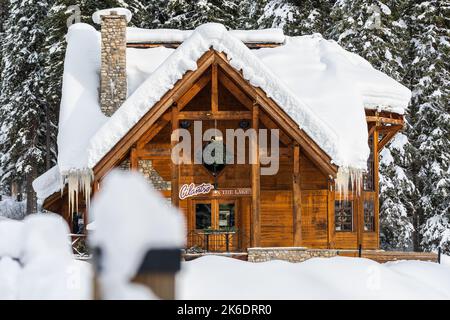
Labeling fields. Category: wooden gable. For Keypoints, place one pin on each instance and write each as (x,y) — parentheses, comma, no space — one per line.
(213,66)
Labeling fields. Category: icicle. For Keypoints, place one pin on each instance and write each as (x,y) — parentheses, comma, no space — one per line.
(78,181)
(348,179)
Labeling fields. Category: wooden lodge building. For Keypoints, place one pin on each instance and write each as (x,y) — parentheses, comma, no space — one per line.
(296,207)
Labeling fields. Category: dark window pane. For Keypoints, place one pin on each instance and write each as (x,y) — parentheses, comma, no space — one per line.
(368,180)
(226,215)
(203,215)
(343,212)
(369,216)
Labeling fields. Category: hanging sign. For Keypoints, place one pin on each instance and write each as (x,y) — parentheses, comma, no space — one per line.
(191,190)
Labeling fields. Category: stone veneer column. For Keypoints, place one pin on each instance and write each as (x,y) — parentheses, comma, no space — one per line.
(113,77)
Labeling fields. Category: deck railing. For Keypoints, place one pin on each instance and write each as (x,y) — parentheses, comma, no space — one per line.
(199,241)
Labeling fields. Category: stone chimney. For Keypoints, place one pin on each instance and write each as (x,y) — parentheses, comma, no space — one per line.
(113,77)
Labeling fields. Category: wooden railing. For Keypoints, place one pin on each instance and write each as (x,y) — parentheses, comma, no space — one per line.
(216,241)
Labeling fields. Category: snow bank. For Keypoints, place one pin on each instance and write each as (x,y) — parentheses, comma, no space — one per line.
(11,238)
(97,16)
(131,218)
(45,237)
(43,266)
(48,183)
(319,278)
(137,35)
(9,275)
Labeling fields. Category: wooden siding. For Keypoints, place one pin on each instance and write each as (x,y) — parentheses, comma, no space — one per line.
(276,218)
(314,227)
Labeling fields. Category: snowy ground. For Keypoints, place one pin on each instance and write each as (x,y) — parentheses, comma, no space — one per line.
(214,277)
(221,278)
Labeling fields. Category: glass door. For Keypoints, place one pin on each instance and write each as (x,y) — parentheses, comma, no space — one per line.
(215,225)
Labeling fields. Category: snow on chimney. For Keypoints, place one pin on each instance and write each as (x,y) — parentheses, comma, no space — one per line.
(113,77)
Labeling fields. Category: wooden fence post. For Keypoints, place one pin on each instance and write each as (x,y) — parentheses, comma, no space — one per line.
(158,270)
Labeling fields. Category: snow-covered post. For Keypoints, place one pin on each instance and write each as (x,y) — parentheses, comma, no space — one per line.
(113,76)
(158,270)
(138,239)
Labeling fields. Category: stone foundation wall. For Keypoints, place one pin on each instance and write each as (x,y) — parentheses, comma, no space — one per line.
(291,254)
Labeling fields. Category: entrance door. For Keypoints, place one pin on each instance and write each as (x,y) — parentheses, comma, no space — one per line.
(215,225)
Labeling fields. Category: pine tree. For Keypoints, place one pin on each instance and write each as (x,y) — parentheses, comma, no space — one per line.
(188,14)
(4,9)
(22,97)
(396,190)
(430,111)
(148,14)
(296,17)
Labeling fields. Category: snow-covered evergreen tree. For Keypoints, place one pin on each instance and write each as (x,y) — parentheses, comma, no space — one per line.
(22,98)
(430,110)
(187,14)
(4,8)
(296,17)
(396,190)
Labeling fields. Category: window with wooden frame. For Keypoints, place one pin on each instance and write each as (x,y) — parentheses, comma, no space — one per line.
(343,212)
(368,179)
(369,216)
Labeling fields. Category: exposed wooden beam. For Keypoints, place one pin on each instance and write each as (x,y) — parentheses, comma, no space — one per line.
(174,45)
(155,153)
(379,119)
(266,121)
(195,89)
(133,158)
(248,103)
(219,115)
(372,127)
(297,198)
(174,167)
(256,184)
(165,119)
(214,89)
(388,136)
(235,91)
(376,181)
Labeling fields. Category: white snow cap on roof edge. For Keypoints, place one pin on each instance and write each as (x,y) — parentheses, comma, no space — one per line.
(48,183)
(137,35)
(97,16)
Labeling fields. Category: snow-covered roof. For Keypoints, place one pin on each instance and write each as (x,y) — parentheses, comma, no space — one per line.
(139,35)
(48,183)
(323,87)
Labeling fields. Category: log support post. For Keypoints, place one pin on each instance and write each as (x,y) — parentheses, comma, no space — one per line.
(256,171)
(174,166)
(133,158)
(296,196)
(376,182)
